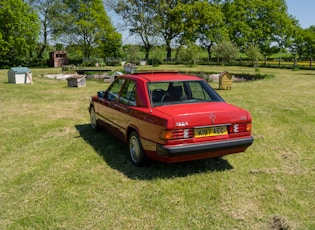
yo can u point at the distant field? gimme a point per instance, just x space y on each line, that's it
56 173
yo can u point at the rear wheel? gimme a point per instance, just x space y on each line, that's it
137 154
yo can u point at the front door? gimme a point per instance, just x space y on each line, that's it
123 108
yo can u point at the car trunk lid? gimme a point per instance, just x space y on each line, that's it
204 114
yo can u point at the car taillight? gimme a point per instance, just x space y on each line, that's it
176 134
239 128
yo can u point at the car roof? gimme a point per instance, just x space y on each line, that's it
163 76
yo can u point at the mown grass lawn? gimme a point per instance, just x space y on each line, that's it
56 173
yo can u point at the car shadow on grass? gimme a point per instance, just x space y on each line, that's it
116 154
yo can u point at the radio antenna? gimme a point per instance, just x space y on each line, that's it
151 92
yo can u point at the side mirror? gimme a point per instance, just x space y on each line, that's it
101 94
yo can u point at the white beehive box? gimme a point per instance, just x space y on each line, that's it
20 75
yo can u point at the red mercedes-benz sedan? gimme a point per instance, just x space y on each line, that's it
170 117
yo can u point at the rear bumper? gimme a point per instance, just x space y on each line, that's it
219 148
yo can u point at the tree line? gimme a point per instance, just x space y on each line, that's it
28 29
257 28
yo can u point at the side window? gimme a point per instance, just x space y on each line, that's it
198 92
113 91
128 95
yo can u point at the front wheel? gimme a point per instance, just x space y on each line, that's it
137 154
94 124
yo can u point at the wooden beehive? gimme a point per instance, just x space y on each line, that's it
225 80
76 81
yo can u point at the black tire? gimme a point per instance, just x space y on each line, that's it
137 154
93 121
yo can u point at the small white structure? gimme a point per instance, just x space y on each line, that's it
77 81
143 63
113 76
20 75
130 68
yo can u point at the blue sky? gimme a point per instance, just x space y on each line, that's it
303 11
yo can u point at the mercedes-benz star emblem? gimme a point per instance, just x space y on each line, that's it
212 117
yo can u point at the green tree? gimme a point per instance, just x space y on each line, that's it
46 11
138 16
189 54
157 55
209 27
19 29
303 44
226 51
259 22
132 53
298 44
173 21
110 44
254 55
85 22
170 22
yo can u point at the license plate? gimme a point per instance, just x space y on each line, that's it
210 131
